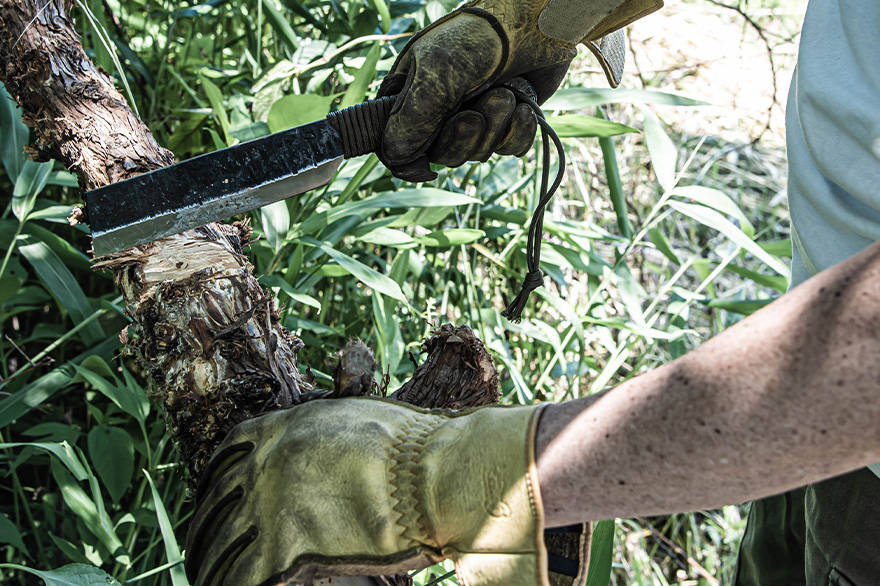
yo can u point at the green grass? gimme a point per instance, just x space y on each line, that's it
636 278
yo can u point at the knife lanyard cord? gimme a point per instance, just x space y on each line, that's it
534 277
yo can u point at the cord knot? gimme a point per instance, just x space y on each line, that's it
533 280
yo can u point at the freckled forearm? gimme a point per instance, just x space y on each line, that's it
768 405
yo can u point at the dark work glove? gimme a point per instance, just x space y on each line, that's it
450 65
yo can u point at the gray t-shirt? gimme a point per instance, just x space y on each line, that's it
833 135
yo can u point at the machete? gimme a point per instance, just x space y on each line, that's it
233 180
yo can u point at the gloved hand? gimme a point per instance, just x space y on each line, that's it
450 64
367 487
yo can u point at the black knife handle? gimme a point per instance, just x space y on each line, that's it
361 126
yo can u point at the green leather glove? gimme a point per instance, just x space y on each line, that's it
368 487
480 46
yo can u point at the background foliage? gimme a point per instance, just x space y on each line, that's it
657 240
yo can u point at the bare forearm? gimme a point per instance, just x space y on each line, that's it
788 396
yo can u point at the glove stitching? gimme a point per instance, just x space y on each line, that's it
405 476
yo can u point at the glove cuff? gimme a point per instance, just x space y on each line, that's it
486 504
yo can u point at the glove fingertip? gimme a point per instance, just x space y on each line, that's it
417 171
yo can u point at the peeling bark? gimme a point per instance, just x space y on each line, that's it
78 115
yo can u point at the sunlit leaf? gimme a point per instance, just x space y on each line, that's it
582 98
287 288
275 219
296 110
130 399
15 135
366 275
388 237
172 550
713 219
357 89
717 200
664 153
215 96
62 451
580 125
450 237
30 182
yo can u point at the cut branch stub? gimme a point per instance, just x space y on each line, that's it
457 373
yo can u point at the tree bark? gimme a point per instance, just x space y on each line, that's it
207 334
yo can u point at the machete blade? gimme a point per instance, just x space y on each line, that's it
213 186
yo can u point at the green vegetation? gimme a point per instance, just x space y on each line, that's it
88 474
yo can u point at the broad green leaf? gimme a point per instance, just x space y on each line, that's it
778 248
14 133
62 451
215 97
9 534
44 388
601 553
331 270
172 550
90 511
72 258
246 132
450 237
13 277
658 238
112 454
583 98
70 575
275 220
777 283
296 110
580 125
70 550
712 219
718 200
422 197
297 323
357 89
53 431
664 153
64 178
30 182
615 185
61 282
280 24
388 237
130 399
366 275
52 213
